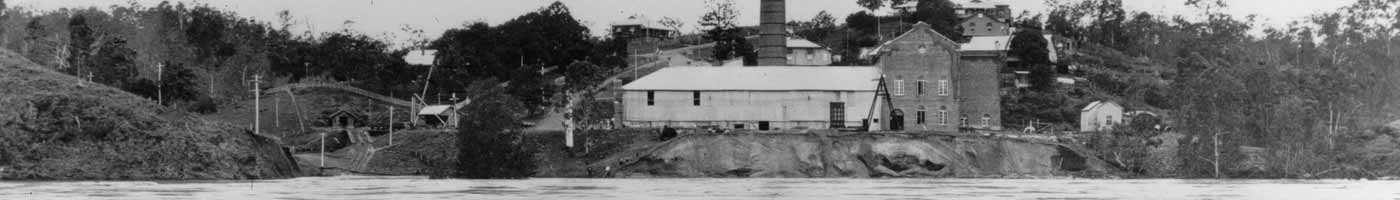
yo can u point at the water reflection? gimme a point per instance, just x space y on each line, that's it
367 187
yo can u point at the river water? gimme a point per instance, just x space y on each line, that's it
372 187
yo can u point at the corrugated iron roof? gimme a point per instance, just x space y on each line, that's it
420 57
802 43
988 43
980 4
434 110
760 79
1097 104
640 21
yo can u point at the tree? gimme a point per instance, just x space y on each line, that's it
941 15
862 21
517 52
723 30
673 23
487 139
1030 46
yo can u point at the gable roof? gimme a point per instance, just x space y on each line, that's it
802 43
1098 104
921 26
770 78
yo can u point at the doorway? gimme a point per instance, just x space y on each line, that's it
897 120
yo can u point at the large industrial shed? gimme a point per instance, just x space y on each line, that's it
761 98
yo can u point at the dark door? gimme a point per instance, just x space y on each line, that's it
838 115
897 120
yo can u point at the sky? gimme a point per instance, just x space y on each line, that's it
385 19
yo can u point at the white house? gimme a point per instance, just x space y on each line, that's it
802 52
761 98
1100 116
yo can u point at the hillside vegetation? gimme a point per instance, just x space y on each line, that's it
57 126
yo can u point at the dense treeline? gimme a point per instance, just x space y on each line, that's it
1312 94
199 55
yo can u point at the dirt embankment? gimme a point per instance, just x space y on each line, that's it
55 126
858 155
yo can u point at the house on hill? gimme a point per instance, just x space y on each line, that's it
982 25
801 52
1100 116
640 27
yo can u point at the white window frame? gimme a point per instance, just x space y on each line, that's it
943 88
943 117
986 120
898 88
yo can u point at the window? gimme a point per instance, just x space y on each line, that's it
989 24
695 99
921 87
651 98
920 119
943 87
838 114
923 49
986 120
962 121
899 87
943 115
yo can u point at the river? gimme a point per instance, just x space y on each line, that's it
372 187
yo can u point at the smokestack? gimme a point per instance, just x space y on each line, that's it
772 37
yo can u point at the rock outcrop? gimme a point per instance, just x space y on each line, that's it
858 155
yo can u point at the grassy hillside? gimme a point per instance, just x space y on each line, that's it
57 126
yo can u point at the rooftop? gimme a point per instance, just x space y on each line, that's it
980 3
640 21
420 57
802 43
766 78
988 43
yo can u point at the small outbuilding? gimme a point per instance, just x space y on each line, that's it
1100 116
345 119
438 115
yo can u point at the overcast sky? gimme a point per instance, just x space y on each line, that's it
385 18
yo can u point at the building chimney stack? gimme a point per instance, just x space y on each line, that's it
772 41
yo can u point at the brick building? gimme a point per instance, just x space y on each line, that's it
982 25
933 85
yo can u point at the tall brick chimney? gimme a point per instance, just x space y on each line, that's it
772 39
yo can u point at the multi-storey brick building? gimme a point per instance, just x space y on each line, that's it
930 84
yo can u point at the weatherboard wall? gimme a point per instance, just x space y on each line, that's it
782 109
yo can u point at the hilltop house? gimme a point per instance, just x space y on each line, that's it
641 27
802 52
1100 116
982 25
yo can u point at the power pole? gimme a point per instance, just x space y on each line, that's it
257 106
391 125
160 83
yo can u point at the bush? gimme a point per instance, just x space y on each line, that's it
488 145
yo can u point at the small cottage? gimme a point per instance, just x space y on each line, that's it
1100 116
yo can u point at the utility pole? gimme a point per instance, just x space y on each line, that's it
257 106
323 149
160 83
391 125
